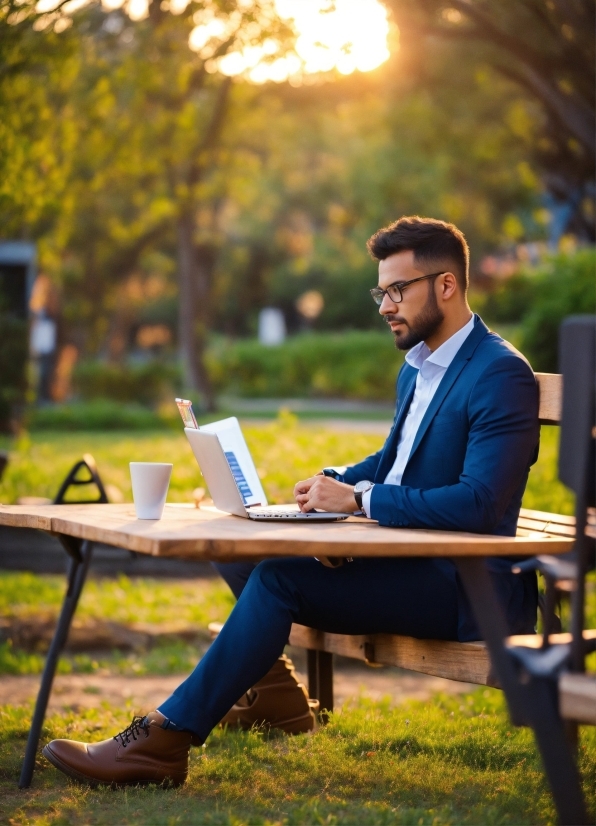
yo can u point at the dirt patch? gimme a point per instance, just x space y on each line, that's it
34 633
80 691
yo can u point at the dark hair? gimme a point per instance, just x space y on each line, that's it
434 243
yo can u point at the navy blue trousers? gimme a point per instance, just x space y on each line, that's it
415 597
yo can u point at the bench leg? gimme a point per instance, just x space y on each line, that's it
79 565
320 680
530 704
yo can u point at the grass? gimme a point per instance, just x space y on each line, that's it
285 450
152 602
122 599
450 762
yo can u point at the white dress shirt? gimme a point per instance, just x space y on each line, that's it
431 367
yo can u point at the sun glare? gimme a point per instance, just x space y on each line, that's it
346 35
341 35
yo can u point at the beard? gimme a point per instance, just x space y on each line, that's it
427 322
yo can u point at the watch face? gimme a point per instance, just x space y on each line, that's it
362 487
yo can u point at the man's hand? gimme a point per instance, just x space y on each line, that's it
325 494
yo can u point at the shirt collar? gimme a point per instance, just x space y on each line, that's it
443 355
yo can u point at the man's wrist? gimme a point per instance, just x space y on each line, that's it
366 506
360 488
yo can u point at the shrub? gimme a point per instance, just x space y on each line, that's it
511 299
146 383
564 285
101 415
353 365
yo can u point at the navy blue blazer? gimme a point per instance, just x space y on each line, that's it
469 463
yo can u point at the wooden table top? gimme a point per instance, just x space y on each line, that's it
187 533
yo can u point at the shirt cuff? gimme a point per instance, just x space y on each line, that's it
366 501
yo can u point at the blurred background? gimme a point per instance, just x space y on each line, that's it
186 189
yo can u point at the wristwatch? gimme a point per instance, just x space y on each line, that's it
359 489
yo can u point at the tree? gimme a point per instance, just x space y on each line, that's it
546 48
152 167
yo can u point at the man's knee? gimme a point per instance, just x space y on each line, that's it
280 577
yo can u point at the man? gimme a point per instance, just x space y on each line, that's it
457 458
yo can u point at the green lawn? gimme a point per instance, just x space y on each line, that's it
451 761
284 451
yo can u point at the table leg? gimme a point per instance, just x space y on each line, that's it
79 565
320 680
532 699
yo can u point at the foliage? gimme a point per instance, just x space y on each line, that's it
537 299
37 132
545 48
357 365
564 286
99 415
146 383
278 198
511 299
450 761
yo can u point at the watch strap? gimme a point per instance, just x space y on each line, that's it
358 498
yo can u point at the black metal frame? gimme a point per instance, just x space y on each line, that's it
529 679
80 556
80 553
71 480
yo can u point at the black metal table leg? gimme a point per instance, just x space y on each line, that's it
532 699
320 680
80 554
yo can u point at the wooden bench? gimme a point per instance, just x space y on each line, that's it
465 662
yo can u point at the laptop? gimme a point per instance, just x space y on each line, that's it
230 473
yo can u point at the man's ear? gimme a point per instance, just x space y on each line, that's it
448 285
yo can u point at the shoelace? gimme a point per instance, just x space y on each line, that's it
133 730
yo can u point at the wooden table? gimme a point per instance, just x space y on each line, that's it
186 532
207 534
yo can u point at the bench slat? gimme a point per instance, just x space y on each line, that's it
467 662
545 527
545 516
551 397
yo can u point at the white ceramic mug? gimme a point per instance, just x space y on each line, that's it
150 483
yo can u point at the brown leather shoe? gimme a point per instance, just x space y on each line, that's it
143 753
278 700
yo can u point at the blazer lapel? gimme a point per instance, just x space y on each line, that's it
390 451
462 357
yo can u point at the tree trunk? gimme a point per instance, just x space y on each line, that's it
192 332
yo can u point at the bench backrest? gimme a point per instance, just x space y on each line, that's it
551 397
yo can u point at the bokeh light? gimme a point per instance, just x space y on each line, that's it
344 35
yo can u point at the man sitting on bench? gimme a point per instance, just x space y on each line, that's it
457 458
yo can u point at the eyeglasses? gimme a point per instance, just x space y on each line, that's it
395 291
